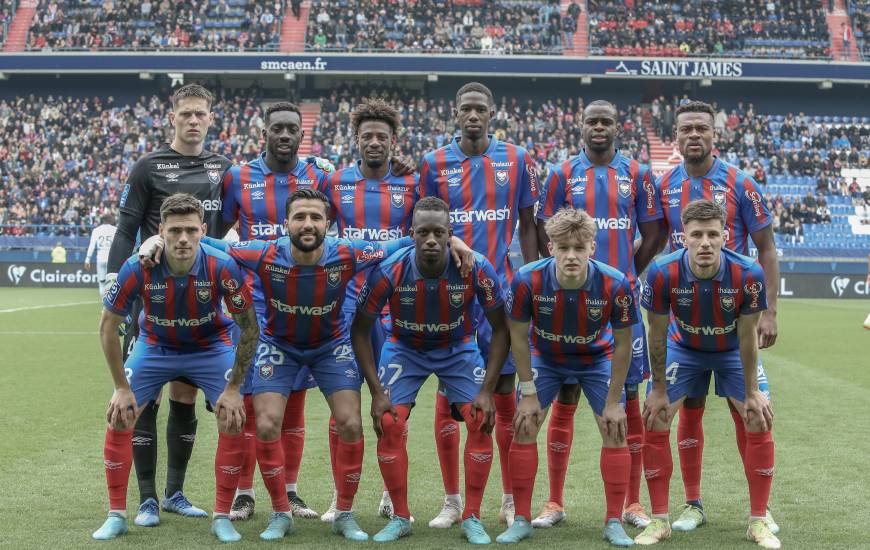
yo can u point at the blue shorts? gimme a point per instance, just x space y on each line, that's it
403 371
278 369
638 369
688 374
484 339
380 330
149 367
594 381
304 380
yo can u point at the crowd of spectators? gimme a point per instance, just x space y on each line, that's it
441 26
222 25
7 11
792 213
760 28
63 161
859 11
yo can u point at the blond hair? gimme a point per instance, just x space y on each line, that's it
570 223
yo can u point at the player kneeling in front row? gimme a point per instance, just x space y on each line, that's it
581 312
714 298
432 306
184 332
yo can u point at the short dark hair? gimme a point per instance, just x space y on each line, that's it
307 194
192 90
474 87
282 106
180 204
432 204
376 109
702 210
601 103
694 106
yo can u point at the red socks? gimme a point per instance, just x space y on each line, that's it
690 445
249 451
635 449
523 469
615 465
117 459
393 460
271 458
560 435
477 460
658 467
333 443
347 472
505 407
740 431
293 434
759 470
227 467
447 444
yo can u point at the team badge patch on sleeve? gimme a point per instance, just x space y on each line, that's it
238 301
230 285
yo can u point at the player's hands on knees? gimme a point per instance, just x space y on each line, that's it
757 411
767 330
484 403
614 420
655 406
403 165
230 411
463 255
381 405
529 416
122 409
150 251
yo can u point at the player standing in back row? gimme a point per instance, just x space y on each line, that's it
101 243
704 176
182 165
489 186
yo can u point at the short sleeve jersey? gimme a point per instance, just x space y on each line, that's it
726 185
618 196
430 313
484 193
572 326
183 313
704 312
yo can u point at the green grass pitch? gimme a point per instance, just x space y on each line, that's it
56 386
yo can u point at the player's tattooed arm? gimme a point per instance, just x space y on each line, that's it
247 321
528 234
767 257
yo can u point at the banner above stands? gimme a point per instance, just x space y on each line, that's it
389 63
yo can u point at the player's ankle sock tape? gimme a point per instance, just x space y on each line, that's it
145 452
180 437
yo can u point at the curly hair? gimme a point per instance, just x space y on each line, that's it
377 109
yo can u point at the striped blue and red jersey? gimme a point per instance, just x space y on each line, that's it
371 210
484 193
303 303
429 313
183 313
572 326
731 188
256 196
619 196
704 312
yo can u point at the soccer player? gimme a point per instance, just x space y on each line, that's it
433 308
704 304
489 186
581 312
184 333
620 195
255 194
702 175
100 243
181 165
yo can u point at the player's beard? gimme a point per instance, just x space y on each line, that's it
318 240
699 158
374 164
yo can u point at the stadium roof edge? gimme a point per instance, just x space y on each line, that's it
741 69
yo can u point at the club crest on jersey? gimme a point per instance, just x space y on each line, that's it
238 301
333 278
594 313
501 177
266 371
231 285
624 189
203 295
214 176
457 299
719 199
398 199
727 303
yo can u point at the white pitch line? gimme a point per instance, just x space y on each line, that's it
50 306
46 332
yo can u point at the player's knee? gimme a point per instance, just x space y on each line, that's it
527 432
662 420
268 425
695 402
349 427
393 428
569 394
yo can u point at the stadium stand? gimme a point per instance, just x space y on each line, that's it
455 26
213 25
7 12
754 28
859 11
